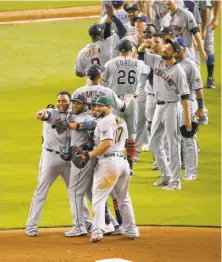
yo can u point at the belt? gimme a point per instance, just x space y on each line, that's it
150 94
164 102
52 151
117 154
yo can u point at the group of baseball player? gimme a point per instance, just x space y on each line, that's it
143 90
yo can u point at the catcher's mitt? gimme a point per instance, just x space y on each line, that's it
80 159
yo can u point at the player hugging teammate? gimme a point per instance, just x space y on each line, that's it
143 87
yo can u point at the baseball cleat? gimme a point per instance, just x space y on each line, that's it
204 120
136 159
89 228
118 231
160 175
75 233
145 147
210 83
133 236
162 182
32 231
132 173
96 237
189 177
109 229
172 186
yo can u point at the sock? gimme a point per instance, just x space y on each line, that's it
107 218
210 65
130 151
116 209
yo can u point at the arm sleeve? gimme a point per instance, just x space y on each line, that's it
181 83
190 21
105 131
195 78
107 30
149 59
105 75
54 115
121 30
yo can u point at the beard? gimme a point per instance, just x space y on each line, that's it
166 57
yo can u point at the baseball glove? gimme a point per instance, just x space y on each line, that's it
61 125
80 159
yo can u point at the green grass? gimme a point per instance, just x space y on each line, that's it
36 63
32 5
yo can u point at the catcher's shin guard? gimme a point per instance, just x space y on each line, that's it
107 217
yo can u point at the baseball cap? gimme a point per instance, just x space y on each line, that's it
96 30
103 101
166 30
94 71
176 45
181 41
142 17
124 46
79 98
133 6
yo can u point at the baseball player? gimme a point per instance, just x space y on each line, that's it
112 170
95 89
51 165
196 108
206 11
170 86
99 51
184 25
122 75
142 132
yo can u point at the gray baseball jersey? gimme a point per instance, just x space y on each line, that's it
182 22
92 91
120 14
167 83
96 53
51 139
111 127
122 74
192 75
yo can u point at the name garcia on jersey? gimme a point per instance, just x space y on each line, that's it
126 63
92 52
166 77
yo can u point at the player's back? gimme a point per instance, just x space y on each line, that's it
122 74
96 53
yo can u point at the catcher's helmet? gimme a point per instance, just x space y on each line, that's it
117 3
103 101
95 30
94 71
188 134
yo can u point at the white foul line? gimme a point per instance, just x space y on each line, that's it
48 20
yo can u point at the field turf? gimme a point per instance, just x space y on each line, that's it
36 63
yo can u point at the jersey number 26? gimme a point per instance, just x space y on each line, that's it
124 78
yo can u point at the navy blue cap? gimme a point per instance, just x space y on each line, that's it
94 71
181 41
79 98
125 45
176 45
142 17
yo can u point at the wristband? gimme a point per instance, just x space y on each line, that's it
200 103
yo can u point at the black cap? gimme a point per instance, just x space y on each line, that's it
125 46
96 30
79 98
175 44
166 30
133 6
94 71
